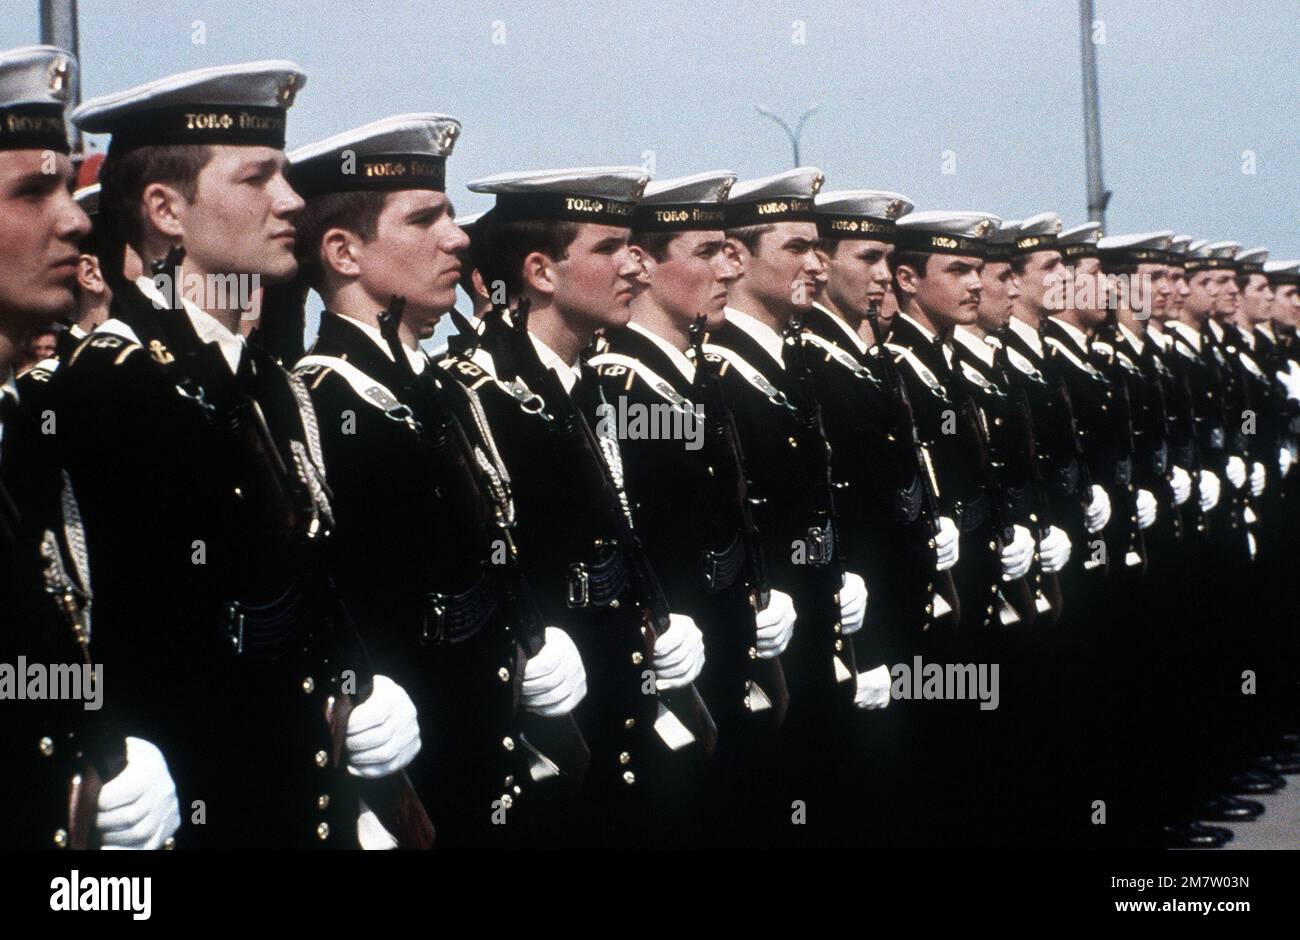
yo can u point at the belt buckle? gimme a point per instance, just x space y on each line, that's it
435 609
817 546
579 585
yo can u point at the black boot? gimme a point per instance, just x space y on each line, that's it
1230 809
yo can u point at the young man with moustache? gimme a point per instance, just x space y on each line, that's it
772 232
687 491
218 612
558 239
413 549
48 746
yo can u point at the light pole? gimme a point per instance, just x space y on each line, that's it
798 128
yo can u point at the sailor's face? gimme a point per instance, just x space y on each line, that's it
859 275
1089 269
415 254
40 227
1178 290
1229 295
1043 272
999 289
950 291
694 277
598 276
786 270
1286 304
1256 299
241 219
1155 287
1202 293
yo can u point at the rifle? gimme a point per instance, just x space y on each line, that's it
905 425
553 743
707 391
814 451
1019 605
1135 554
1047 592
685 704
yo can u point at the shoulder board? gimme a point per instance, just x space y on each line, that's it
750 374
1022 363
106 345
1069 354
43 371
903 354
613 365
367 389
836 354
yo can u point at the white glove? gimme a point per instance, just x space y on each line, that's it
873 688
1285 458
554 680
1180 481
1146 508
853 603
1257 479
1210 488
1098 512
383 734
946 545
1054 550
1017 557
775 625
1290 381
137 809
1236 471
679 653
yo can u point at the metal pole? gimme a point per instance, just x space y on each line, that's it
59 28
1098 195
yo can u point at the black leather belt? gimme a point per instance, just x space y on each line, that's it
720 569
453 618
821 545
1160 460
595 585
267 631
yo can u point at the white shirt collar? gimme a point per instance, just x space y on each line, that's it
207 327
1076 334
759 332
567 372
1186 332
1216 330
1267 329
1027 333
1248 337
858 342
1134 340
675 355
1157 334
414 356
975 344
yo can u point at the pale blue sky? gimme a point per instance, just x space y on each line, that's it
1186 87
